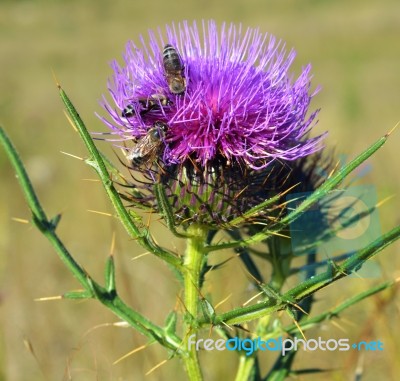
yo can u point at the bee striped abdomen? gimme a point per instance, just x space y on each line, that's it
143 105
173 67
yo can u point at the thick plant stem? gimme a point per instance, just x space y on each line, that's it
246 368
194 260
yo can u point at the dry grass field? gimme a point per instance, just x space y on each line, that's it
354 47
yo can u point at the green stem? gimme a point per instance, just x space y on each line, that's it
310 286
137 321
334 312
142 235
93 290
246 368
39 216
194 260
279 263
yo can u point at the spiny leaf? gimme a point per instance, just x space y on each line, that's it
110 274
165 209
317 195
142 235
310 286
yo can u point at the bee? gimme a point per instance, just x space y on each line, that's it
154 101
128 111
149 146
173 68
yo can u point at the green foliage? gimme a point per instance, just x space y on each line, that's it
200 313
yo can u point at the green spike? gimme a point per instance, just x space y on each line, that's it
208 310
54 221
170 322
110 274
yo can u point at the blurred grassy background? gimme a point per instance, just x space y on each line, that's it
355 51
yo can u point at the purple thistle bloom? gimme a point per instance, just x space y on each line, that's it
216 119
240 105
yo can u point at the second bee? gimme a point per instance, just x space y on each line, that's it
149 146
173 68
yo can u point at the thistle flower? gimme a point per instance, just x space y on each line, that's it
235 120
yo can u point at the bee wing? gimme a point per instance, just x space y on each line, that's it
140 148
146 148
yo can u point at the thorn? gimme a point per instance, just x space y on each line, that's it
359 276
29 346
299 308
288 190
333 170
299 328
276 233
222 301
194 165
360 367
112 248
48 298
122 324
55 79
155 241
140 255
336 267
21 220
74 156
286 203
227 325
236 196
178 301
347 321
101 213
390 131
380 203
155 367
93 180
149 219
259 283
338 326
90 330
218 265
210 330
129 354
182 303
252 298
70 120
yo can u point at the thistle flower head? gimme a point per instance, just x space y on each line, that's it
227 103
